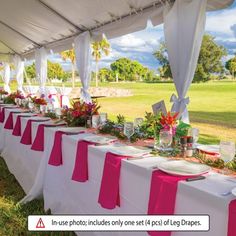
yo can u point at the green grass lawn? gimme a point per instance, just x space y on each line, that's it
212 105
13 217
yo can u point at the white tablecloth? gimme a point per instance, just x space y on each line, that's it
65 196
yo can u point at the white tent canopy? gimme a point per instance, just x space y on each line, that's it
29 24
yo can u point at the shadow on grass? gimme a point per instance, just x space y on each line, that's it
225 119
13 217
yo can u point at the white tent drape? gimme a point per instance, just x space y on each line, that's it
41 68
6 77
184 28
19 67
82 45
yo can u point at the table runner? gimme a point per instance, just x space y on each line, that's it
80 172
162 196
9 121
2 113
109 196
232 218
38 143
27 134
17 128
55 158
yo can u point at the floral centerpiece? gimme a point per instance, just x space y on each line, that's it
3 93
153 124
79 113
10 99
39 101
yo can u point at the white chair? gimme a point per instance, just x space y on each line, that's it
51 94
64 95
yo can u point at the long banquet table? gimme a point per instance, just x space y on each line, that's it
64 196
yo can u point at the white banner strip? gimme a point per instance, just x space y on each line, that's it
118 223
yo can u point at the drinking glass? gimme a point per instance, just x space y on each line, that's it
31 106
16 101
42 109
165 139
128 129
95 121
138 121
194 132
227 153
49 107
103 118
58 112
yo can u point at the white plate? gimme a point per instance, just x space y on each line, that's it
128 151
209 148
233 191
99 139
181 167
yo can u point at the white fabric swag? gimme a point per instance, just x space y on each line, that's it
184 27
6 77
82 46
19 67
41 68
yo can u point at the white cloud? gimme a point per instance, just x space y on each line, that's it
233 28
221 22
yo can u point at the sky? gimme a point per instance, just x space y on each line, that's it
141 45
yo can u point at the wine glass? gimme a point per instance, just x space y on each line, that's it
194 132
31 106
138 121
128 129
50 107
58 112
95 121
42 109
227 153
165 139
103 118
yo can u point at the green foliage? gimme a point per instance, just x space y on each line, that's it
182 129
128 70
106 74
230 65
55 70
209 61
30 71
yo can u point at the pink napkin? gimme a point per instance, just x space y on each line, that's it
38 143
27 134
9 121
109 196
232 218
17 128
56 153
80 172
2 113
162 196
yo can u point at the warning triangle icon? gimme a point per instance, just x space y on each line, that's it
40 224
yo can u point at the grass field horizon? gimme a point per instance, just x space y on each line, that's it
212 105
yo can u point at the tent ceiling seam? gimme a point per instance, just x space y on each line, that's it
61 16
16 31
9 47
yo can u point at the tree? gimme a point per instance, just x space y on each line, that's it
106 74
100 48
209 61
130 70
70 55
55 71
230 65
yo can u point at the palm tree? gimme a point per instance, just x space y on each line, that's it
99 48
70 55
